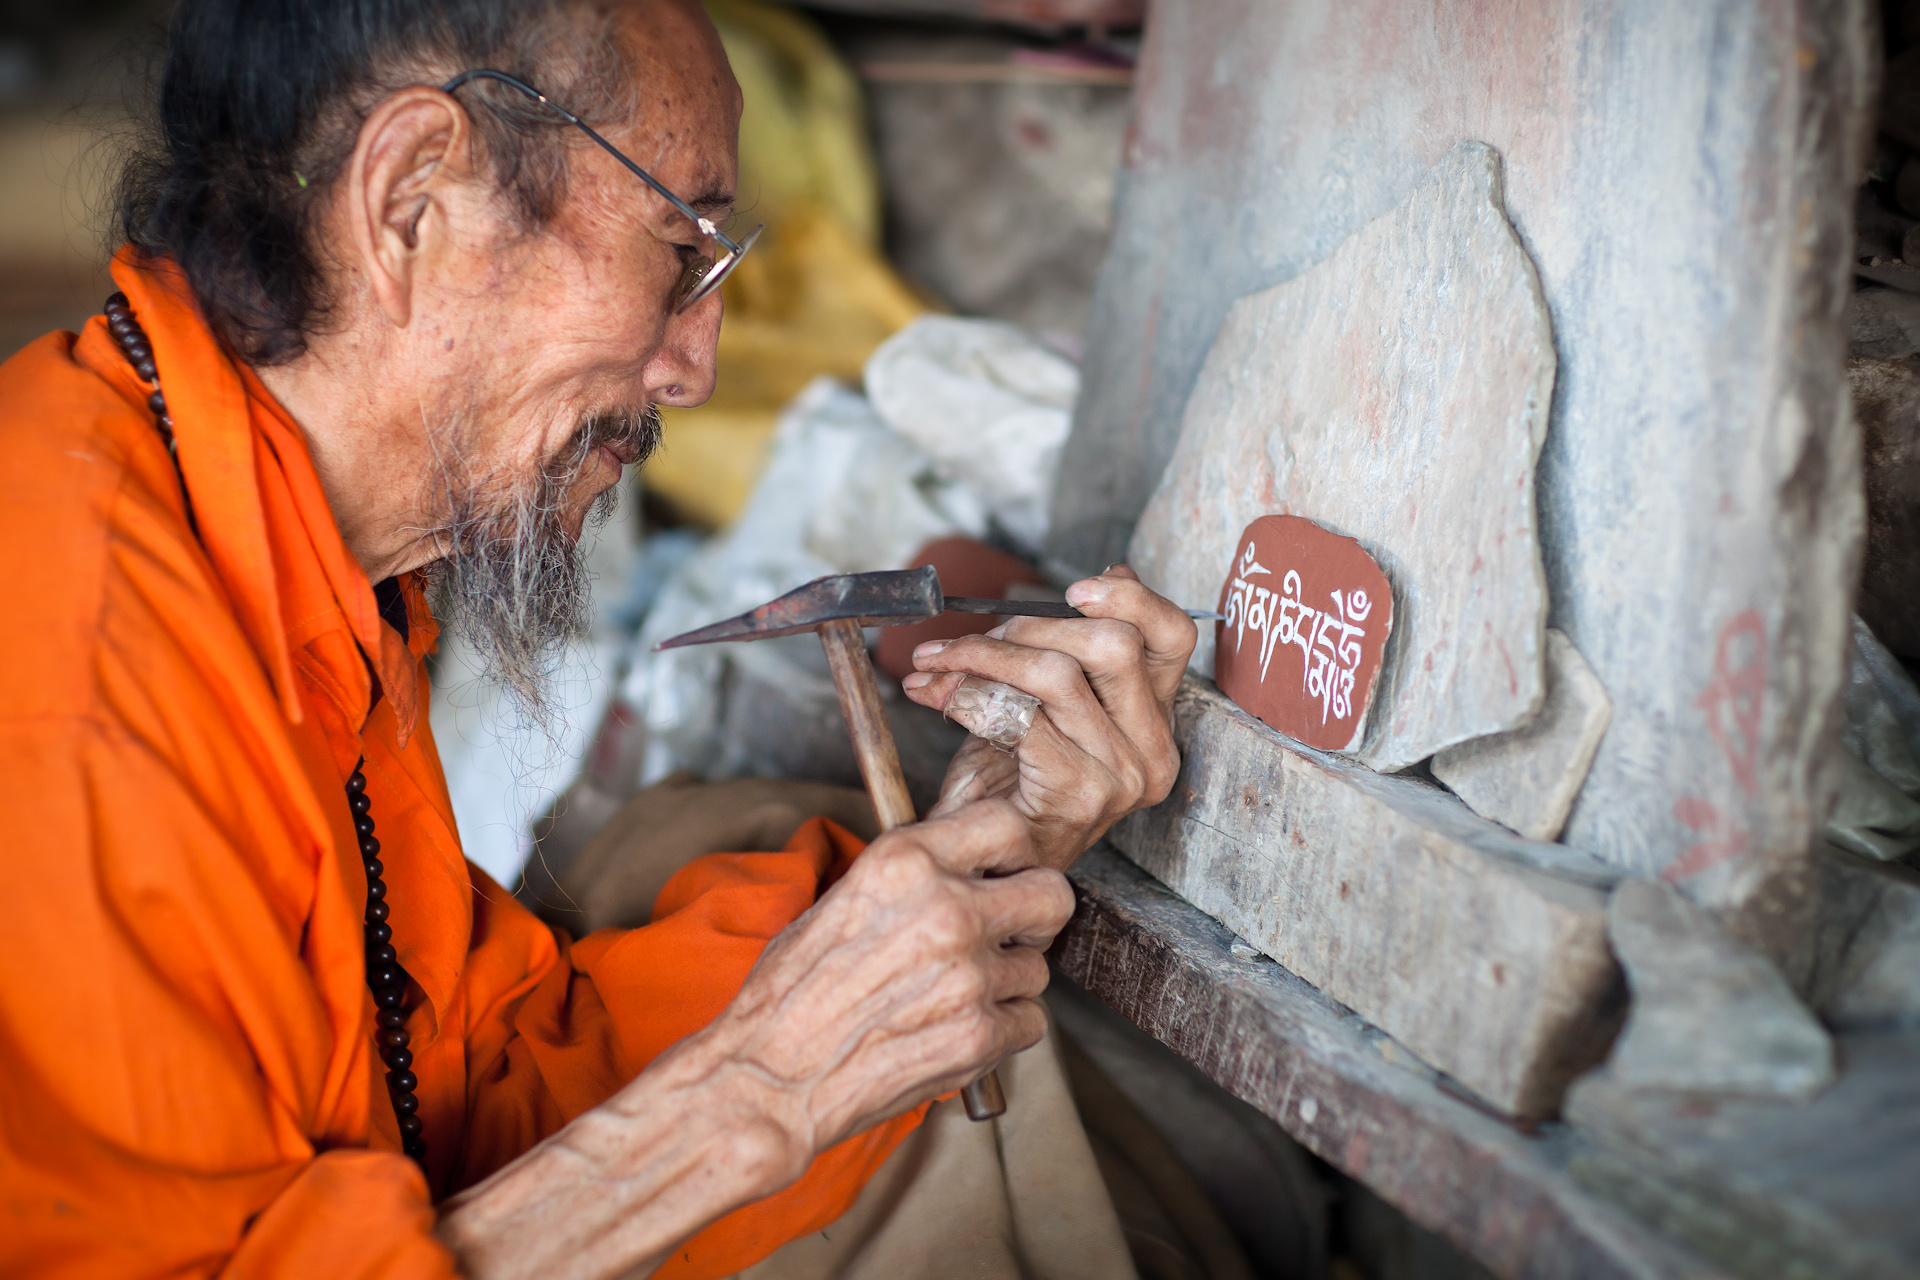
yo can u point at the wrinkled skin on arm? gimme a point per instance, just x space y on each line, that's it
908 978
1104 746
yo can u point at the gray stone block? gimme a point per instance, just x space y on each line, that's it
1862 968
1769 1188
1709 1014
1528 778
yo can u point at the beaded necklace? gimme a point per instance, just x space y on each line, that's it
385 978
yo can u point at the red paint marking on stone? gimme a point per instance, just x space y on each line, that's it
1738 693
1513 674
1306 619
1725 839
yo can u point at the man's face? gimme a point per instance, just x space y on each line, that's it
542 333
550 351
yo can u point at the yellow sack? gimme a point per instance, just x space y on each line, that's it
803 135
815 296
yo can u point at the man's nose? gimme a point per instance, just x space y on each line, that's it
681 373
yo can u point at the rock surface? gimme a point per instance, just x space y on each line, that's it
1886 401
1768 1188
1683 179
1709 1014
999 196
1528 778
1397 393
1863 967
1884 324
989 403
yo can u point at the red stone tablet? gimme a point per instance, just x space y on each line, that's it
1307 618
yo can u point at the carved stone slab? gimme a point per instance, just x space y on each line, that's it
1306 617
1483 953
1528 778
1396 393
1683 178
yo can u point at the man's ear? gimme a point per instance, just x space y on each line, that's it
414 153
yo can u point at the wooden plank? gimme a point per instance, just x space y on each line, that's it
1441 927
1345 1090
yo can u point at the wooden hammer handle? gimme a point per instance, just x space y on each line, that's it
873 744
879 759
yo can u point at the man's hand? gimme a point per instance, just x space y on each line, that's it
910 977
1103 745
907 980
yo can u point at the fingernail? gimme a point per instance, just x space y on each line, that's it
930 648
1091 591
916 680
999 632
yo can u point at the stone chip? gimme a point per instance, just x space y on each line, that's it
1528 778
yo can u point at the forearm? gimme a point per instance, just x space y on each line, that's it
908 978
693 1137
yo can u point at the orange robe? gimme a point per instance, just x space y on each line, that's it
188 1082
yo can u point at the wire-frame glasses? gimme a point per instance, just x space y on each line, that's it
703 274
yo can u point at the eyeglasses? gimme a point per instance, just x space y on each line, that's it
703 274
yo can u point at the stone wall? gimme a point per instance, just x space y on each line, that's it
1681 176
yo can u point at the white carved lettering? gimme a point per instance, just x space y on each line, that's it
1328 639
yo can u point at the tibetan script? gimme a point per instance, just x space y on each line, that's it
1307 614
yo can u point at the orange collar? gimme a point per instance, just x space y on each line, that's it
263 516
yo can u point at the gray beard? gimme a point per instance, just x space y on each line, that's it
513 584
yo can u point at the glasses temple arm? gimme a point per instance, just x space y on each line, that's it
688 210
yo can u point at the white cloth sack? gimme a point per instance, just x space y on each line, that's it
989 403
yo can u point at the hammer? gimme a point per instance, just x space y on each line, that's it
838 607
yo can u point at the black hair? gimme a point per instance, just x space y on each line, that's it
259 106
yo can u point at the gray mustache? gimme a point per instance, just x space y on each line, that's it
635 431
512 584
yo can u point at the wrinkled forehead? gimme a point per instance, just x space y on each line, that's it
687 103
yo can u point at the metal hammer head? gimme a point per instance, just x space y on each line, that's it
872 599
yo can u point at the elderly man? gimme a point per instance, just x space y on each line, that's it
390 331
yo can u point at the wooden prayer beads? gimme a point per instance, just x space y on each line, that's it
132 340
133 343
385 977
